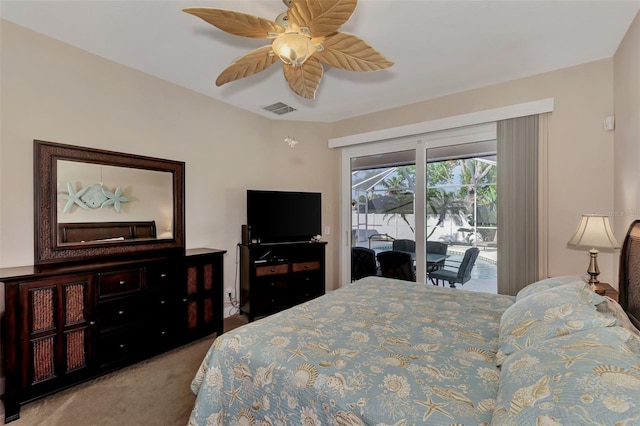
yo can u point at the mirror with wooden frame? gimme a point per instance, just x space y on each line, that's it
93 203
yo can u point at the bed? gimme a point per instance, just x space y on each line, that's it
381 351
92 232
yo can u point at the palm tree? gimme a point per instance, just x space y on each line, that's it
473 174
440 172
395 184
400 189
443 203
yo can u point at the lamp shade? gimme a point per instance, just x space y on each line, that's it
594 231
293 48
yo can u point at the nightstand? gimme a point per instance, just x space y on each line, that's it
605 289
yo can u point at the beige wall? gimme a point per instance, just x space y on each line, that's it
580 151
626 84
55 92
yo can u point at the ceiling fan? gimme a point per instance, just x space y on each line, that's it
304 37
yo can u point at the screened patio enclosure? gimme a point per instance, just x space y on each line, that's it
460 210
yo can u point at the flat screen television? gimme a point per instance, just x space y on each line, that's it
283 216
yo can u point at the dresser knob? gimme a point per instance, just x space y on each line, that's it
123 282
184 300
120 312
92 323
306 266
163 275
121 345
162 302
273 270
163 332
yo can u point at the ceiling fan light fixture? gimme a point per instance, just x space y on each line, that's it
305 37
293 48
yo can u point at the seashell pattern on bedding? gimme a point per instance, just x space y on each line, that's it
386 352
590 377
378 351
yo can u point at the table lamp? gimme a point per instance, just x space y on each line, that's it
594 231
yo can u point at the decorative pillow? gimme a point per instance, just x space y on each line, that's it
547 283
590 377
551 313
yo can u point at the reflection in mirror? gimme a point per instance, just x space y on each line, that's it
95 204
90 192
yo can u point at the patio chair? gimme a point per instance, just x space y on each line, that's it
363 263
459 276
396 264
436 247
404 245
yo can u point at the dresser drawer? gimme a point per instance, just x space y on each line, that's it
274 284
263 271
119 347
119 312
160 304
161 335
304 293
118 282
269 303
305 266
159 275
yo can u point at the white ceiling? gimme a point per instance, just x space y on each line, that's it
439 47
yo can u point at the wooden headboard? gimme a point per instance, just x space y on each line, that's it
629 285
103 231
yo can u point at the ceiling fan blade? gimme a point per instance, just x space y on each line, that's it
349 52
249 64
304 79
321 17
237 23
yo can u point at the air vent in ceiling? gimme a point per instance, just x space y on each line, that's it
279 108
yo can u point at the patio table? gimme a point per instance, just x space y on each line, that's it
433 258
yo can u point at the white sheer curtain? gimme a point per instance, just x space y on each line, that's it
517 203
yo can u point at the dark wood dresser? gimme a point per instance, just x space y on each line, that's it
274 277
63 325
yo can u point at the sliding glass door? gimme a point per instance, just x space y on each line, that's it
461 211
382 205
385 198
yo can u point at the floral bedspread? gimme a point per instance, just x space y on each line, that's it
377 352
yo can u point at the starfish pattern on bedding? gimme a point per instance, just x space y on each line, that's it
233 394
295 353
570 360
432 407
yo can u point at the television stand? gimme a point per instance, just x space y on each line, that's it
274 277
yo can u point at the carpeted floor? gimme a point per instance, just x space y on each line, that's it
152 392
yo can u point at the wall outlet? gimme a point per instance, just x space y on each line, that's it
327 230
228 291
